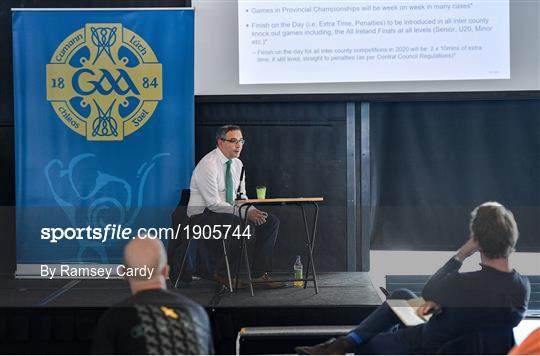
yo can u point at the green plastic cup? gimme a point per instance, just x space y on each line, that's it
261 192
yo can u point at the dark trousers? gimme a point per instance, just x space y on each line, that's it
260 244
380 330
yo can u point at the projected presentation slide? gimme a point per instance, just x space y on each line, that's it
368 41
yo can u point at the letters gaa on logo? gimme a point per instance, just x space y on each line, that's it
104 82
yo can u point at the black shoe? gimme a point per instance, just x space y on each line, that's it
339 346
266 282
225 281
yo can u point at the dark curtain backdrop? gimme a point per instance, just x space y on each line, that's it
295 150
434 161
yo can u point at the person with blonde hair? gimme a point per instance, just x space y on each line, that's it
493 298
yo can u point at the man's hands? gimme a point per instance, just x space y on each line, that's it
469 248
257 216
428 308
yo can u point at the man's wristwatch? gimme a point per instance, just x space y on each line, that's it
456 257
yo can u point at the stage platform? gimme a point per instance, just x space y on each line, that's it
75 305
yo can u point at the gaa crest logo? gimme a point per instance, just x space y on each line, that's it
104 82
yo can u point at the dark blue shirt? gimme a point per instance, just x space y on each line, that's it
470 301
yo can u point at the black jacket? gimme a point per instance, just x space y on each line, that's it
154 322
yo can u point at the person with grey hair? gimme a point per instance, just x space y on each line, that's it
153 320
493 299
213 189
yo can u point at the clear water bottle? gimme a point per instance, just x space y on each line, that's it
298 273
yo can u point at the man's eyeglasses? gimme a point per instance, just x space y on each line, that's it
234 141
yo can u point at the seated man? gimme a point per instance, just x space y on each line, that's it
494 297
213 186
153 320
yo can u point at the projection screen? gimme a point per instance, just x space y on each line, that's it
246 47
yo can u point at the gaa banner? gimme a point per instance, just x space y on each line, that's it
104 127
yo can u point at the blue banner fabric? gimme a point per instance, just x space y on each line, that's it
104 127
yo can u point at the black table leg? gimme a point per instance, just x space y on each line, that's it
310 244
183 264
244 247
313 234
247 267
227 264
240 255
238 265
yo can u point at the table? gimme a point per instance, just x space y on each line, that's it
310 235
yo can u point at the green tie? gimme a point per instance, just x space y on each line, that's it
229 183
